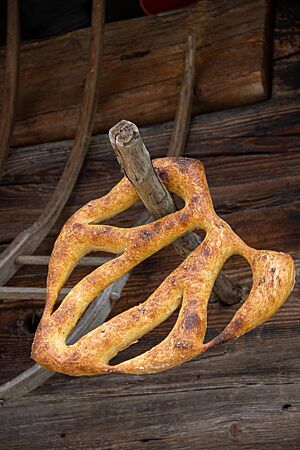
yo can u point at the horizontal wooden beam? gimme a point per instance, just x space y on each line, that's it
36 293
39 260
142 69
27 293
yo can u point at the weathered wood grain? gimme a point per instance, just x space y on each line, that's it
277 175
236 417
243 395
143 67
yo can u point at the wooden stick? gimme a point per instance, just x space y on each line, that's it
96 314
11 79
135 161
39 260
28 293
27 241
12 293
184 108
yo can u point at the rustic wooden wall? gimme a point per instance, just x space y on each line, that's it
142 69
242 395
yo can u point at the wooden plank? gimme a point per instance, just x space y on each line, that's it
27 293
143 66
264 128
266 415
270 122
273 180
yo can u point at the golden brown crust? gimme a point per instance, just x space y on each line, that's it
189 285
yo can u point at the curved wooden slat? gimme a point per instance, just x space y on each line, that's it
11 79
27 241
228 291
185 101
36 375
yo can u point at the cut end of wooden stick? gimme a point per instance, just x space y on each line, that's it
122 134
135 161
127 135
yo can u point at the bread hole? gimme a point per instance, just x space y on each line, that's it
178 201
144 274
163 259
133 215
80 271
148 341
219 314
149 275
127 218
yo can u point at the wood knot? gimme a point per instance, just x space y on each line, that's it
235 430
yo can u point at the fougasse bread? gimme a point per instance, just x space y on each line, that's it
188 287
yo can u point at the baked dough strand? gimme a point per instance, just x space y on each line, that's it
188 287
